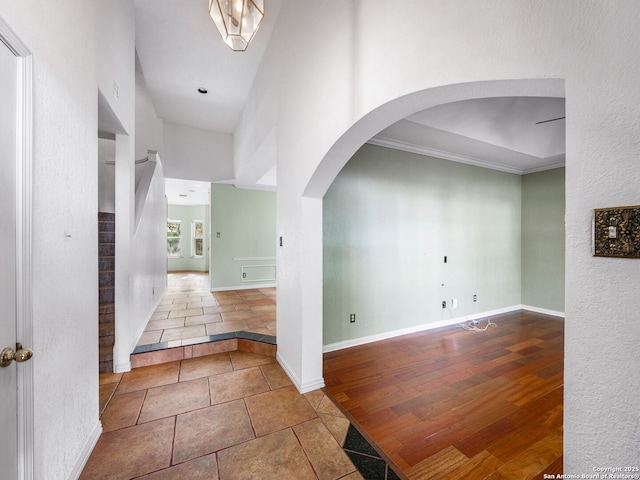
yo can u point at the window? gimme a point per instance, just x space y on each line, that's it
197 238
173 238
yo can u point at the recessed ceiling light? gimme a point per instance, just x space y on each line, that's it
203 91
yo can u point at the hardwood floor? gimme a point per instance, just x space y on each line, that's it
453 404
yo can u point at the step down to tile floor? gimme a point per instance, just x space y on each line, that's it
164 352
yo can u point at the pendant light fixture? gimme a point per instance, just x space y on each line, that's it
237 20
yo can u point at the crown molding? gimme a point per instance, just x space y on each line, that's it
454 157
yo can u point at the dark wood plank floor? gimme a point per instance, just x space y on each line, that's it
453 404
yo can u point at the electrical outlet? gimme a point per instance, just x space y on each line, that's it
444 304
454 303
352 318
475 298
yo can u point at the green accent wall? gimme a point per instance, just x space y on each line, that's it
390 218
187 214
246 221
543 249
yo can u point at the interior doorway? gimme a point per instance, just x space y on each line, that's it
16 329
188 225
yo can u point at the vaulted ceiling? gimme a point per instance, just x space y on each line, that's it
180 51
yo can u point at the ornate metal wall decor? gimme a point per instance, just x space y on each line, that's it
616 232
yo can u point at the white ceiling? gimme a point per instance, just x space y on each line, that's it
180 51
500 133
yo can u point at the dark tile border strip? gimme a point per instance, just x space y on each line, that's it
256 337
364 452
365 458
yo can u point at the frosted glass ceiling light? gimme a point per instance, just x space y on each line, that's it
237 20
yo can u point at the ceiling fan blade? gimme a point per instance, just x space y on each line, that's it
551 120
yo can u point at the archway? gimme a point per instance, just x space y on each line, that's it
300 343
345 148
340 153
399 108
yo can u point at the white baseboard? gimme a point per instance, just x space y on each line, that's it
302 387
86 452
417 328
543 310
243 287
141 330
122 367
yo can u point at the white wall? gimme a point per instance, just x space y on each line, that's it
149 128
149 257
149 266
140 219
106 176
149 269
77 50
196 154
347 71
65 243
115 30
116 77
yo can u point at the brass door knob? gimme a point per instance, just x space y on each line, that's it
20 355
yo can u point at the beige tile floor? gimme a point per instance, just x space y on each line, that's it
189 310
228 416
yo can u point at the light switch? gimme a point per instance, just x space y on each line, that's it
613 233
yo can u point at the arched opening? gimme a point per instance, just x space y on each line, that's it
392 221
391 112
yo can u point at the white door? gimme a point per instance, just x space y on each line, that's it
8 310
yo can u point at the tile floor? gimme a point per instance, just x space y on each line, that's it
233 415
189 311
225 415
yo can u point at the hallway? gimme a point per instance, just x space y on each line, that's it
189 312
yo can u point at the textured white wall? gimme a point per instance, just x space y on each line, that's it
70 65
65 242
347 71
